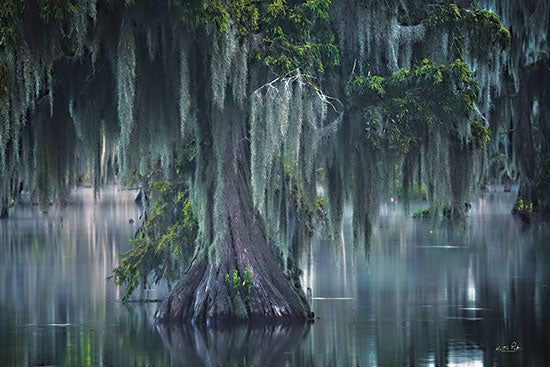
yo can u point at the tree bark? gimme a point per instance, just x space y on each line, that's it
3 212
203 295
523 143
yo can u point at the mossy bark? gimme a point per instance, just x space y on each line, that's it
239 242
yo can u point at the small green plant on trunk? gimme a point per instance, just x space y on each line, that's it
242 286
525 210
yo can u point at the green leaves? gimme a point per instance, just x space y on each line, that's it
165 243
481 135
242 286
297 37
58 9
398 108
10 11
276 7
429 71
482 27
294 35
245 15
375 84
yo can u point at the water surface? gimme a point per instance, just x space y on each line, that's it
421 294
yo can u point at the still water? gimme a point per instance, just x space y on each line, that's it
421 295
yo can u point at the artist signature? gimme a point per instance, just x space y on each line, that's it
514 347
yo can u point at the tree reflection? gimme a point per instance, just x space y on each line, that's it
237 345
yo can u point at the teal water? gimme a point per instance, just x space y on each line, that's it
421 295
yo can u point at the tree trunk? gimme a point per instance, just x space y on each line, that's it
4 207
523 141
203 295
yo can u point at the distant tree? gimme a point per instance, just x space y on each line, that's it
520 117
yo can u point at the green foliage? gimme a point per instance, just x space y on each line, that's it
320 204
448 212
525 210
83 180
164 245
296 36
422 213
10 11
375 84
242 286
51 10
481 135
399 108
524 207
243 14
483 27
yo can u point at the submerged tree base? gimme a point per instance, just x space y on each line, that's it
202 297
208 294
238 274
243 280
525 211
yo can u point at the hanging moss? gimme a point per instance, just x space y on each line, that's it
131 85
517 119
434 139
126 79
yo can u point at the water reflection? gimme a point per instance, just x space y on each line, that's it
437 295
422 295
238 345
56 307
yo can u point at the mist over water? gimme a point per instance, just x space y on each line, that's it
422 294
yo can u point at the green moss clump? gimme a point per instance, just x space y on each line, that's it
422 213
525 210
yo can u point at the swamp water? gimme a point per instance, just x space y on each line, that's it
422 295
